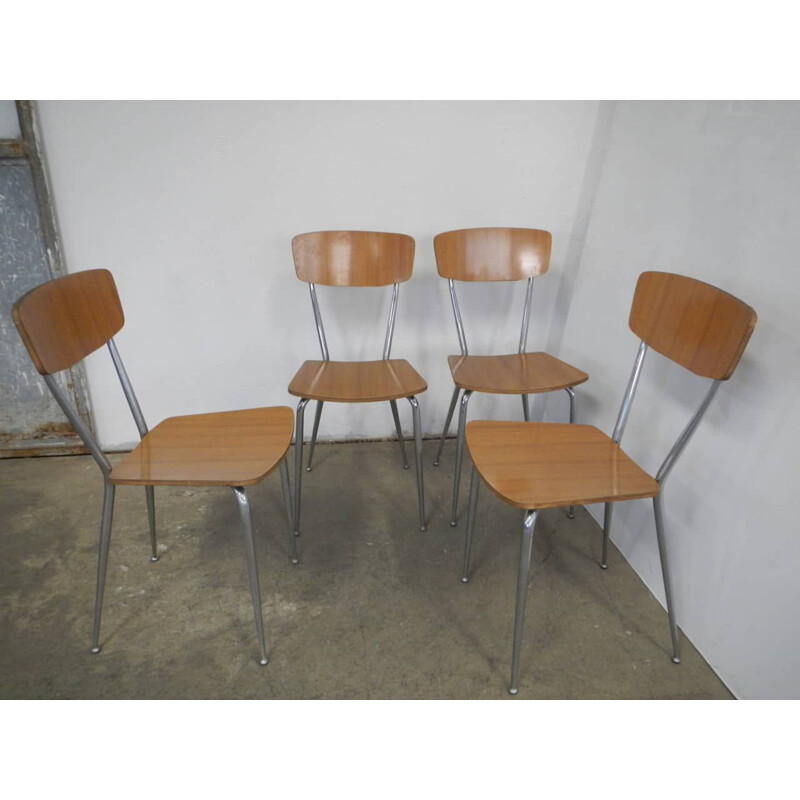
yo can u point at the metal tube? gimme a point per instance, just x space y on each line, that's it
127 388
662 552
287 501
627 400
149 494
298 461
449 417
393 404
323 343
573 410
418 452
607 514
102 559
387 345
317 415
526 317
526 410
474 485
252 569
462 423
462 339
525 552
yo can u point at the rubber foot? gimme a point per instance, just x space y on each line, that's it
308 469
604 566
295 560
95 650
154 559
571 516
297 533
513 691
453 523
405 466
676 660
435 463
263 662
465 580
423 528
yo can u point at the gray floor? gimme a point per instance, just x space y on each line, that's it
375 609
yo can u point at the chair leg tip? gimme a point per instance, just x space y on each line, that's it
405 466
295 560
435 463
96 649
603 566
676 660
153 559
422 528
465 579
263 662
513 691
571 516
308 469
453 523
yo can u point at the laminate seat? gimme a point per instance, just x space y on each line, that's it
357 381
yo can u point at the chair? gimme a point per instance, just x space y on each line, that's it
546 465
498 254
64 320
355 258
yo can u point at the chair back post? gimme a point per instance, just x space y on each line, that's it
526 316
387 345
83 431
627 400
323 342
127 388
462 339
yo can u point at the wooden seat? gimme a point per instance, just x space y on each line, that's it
516 373
535 466
66 319
357 381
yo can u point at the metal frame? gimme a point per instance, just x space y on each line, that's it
109 489
529 519
301 406
467 393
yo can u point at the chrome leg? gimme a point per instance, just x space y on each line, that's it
393 404
525 551
151 516
102 560
573 402
462 423
450 411
418 453
287 501
526 411
662 551
474 485
250 555
317 415
298 461
609 509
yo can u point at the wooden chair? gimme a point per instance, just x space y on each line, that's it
546 465
355 258
498 254
64 320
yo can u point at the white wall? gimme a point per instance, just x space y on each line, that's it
710 190
193 207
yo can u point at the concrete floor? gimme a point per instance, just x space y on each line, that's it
375 609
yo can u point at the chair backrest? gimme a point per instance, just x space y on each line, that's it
702 328
492 254
353 258
65 319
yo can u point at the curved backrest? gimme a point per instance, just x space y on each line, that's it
693 323
65 319
353 258
492 254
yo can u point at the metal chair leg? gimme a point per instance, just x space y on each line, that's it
298 461
151 516
474 485
609 509
393 404
450 411
287 501
250 556
462 422
102 560
573 403
662 551
317 415
526 411
525 551
418 453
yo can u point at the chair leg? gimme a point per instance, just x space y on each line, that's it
252 569
662 551
317 415
102 560
298 461
450 411
609 509
462 423
287 501
525 551
418 453
526 411
474 485
151 516
573 407
393 404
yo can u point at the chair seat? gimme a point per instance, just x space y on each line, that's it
535 465
518 373
357 381
231 448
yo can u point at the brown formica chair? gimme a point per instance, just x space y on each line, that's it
498 254
355 258
68 318
547 465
